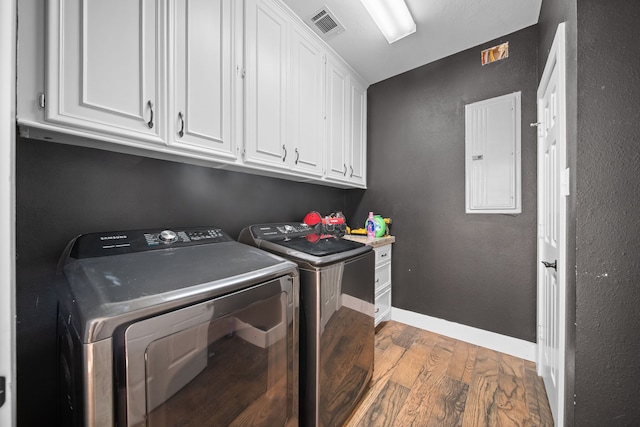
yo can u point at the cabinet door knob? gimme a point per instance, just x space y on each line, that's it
181 118
150 122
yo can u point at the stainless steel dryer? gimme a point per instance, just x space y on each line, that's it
182 327
337 316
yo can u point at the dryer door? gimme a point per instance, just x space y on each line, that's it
220 362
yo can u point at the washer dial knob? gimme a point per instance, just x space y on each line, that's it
167 236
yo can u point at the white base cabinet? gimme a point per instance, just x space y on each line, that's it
383 283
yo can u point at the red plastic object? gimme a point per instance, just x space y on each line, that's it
312 218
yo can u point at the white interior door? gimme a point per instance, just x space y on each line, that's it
552 192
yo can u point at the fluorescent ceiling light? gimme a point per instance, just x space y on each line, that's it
392 17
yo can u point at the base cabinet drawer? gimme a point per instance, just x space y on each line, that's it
383 306
383 254
383 276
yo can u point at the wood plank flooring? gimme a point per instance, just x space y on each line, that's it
425 379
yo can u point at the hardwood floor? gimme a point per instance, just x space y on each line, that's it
425 379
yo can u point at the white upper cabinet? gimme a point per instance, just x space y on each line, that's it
201 49
240 84
357 145
337 104
345 125
284 84
266 78
306 101
104 67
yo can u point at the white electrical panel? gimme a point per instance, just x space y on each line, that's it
492 155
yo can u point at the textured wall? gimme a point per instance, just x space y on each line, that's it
478 270
63 191
608 216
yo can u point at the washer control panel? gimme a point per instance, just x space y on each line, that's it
279 231
122 242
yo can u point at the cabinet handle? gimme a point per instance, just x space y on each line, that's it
285 152
345 170
181 118
377 309
150 122
297 156
351 175
383 255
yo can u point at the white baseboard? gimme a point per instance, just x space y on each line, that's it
502 343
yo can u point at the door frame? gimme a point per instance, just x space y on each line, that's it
556 58
8 19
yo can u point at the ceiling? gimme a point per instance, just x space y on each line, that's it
444 27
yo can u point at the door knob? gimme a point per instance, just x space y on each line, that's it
553 264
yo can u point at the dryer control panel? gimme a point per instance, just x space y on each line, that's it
129 241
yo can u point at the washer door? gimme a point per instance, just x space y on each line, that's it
225 361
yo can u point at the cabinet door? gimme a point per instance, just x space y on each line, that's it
306 103
337 105
200 114
266 59
103 67
357 147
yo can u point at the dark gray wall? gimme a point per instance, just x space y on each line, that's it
551 14
608 214
478 270
63 191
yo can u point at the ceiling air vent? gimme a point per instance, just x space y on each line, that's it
325 23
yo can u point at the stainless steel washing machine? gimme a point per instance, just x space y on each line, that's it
176 327
337 316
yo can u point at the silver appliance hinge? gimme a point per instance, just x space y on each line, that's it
41 100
